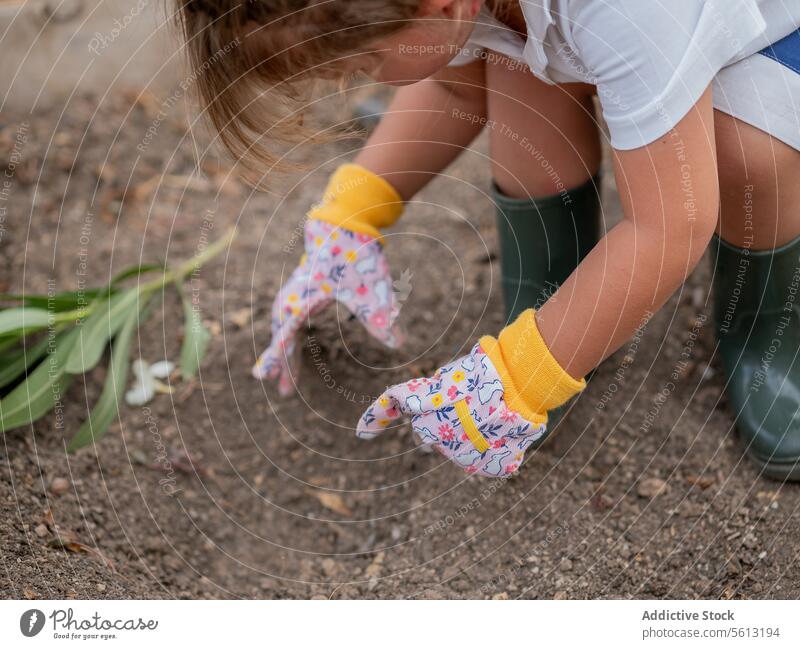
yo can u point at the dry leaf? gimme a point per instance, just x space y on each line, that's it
141 191
47 518
68 540
224 178
149 103
186 183
105 173
241 317
374 569
703 483
333 502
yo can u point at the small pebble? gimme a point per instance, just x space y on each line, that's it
651 487
329 567
565 565
59 486
101 588
698 297
41 530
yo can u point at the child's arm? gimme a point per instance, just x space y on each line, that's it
669 193
426 127
484 410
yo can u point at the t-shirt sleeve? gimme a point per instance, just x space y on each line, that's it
651 62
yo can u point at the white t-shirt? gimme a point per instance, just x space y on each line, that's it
650 60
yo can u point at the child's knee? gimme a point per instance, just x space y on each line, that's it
757 176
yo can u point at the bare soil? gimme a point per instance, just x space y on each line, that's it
225 490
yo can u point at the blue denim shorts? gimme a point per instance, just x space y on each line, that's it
764 90
786 51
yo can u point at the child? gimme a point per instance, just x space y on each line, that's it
701 99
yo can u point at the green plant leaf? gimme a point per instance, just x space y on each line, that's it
71 300
7 342
66 301
195 337
93 335
23 318
14 364
134 271
107 405
40 391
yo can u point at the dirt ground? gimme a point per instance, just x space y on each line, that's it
225 490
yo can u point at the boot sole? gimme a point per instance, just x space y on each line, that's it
783 471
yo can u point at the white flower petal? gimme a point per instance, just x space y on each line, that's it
138 396
140 367
162 369
143 390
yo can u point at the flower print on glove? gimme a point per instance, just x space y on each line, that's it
338 265
462 412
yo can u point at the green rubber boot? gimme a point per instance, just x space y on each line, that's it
757 319
542 241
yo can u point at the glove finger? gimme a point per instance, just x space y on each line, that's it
379 325
398 337
266 367
280 366
273 361
286 381
280 358
378 416
368 292
397 401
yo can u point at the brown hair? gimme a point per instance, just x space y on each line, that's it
241 50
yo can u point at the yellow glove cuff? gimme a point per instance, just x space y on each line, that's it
533 380
358 200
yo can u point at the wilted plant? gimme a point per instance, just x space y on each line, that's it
48 340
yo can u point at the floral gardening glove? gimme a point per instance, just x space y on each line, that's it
472 411
343 261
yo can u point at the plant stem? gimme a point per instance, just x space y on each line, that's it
188 267
174 275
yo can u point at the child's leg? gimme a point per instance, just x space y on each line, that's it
757 281
759 188
545 151
544 138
